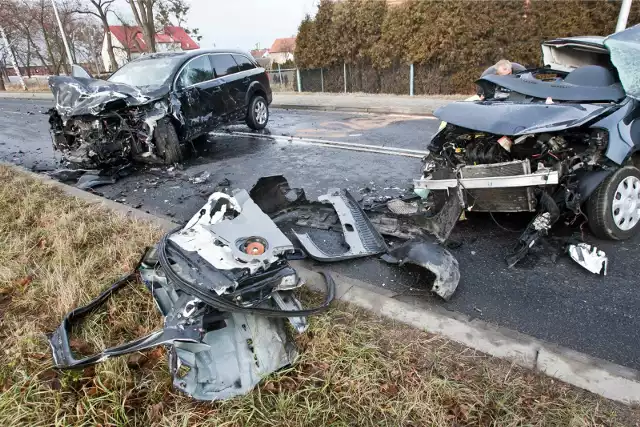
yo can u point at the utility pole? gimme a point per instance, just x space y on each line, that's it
64 36
623 17
13 58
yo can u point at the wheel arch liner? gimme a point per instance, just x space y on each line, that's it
434 258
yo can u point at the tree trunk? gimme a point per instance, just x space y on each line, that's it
143 14
107 33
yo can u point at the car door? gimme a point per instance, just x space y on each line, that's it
226 69
248 71
201 97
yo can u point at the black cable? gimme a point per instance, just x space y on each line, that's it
222 303
503 227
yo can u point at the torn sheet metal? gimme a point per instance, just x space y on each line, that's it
223 321
589 257
232 232
359 234
434 258
77 96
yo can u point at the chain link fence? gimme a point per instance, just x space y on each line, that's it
283 80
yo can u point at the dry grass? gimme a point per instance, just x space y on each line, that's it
355 369
33 85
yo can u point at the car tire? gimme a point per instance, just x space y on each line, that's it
613 208
167 142
257 113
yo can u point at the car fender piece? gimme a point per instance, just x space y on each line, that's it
434 258
360 235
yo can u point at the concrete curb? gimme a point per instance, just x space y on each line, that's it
598 376
409 111
26 95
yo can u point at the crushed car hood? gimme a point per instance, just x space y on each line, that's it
624 48
507 118
76 96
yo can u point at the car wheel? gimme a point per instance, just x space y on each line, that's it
614 207
167 142
258 113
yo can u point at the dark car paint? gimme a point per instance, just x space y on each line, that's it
559 91
509 118
224 99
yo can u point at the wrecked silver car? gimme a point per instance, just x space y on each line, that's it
151 106
559 140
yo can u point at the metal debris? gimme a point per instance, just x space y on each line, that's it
224 286
589 257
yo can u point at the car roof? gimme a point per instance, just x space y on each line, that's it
191 53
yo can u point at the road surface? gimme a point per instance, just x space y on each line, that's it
557 302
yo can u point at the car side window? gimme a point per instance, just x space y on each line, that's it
223 65
244 63
197 71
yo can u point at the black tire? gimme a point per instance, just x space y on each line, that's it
254 120
600 206
167 142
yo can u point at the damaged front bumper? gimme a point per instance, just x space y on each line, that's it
96 123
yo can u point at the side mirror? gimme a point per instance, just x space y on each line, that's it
78 71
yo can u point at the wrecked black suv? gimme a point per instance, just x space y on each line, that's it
147 108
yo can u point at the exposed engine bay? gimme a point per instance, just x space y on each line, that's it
112 138
97 124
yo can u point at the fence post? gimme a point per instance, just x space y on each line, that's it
321 80
411 80
299 82
345 77
279 74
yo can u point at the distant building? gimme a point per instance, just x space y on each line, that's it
128 43
282 50
259 53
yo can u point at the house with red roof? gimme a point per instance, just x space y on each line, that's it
128 43
282 50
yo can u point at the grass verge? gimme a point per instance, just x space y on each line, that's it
355 369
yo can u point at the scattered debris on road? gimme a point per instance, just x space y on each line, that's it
589 257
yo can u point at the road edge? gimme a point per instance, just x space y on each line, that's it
405 111
596 375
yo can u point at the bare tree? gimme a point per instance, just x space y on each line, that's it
102 9
143 14
152 16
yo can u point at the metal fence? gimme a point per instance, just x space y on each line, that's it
400 79
283 80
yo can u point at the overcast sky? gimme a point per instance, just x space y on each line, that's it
242 23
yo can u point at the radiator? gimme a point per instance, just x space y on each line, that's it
499 199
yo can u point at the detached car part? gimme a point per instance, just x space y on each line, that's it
589 257
434 258
359 234
224 286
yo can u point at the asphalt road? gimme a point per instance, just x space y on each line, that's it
557 302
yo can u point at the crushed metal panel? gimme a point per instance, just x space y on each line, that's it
360 235
232 360
434 258
224 241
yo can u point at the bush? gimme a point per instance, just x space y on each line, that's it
449 42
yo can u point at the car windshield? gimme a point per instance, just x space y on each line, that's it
147 71
625 53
